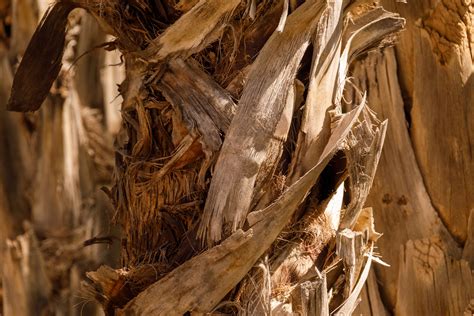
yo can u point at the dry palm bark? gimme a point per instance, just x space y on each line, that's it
427 87
267 159
235 147
160 179
53 163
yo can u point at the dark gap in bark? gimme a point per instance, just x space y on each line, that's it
290 145
243 40
305 67
382 293
406 97
325 186
329 177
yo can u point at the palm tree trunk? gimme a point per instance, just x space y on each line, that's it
249 139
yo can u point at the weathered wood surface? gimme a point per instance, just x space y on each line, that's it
366 150
427 194
328 76
205 107
398 191
350 248
435 58
314 131
206 279
432 282
253 129
350 304
314 297
186 36
255 140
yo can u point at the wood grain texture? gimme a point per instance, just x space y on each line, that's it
433 283
205 107
314 297
436 60
315 129
216 101
260 109
328 75
398 194
193 31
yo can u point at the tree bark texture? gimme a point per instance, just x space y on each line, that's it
424 199
239 167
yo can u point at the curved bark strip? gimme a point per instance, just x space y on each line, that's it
329 66
254 125
326 57
42 61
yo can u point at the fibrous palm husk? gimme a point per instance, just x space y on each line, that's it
197 165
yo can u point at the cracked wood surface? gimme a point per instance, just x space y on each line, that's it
435 56
398 193
432 282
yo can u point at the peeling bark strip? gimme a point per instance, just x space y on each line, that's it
260 109
42 60
314 131
362 33
370 30
205 279
202 103
193 31
314 297
363 155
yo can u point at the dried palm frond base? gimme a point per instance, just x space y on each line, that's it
239 181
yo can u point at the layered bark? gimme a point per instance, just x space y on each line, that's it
244 157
